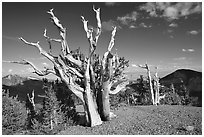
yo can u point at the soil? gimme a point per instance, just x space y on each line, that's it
147 120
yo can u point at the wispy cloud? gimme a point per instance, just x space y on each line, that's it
108 25
128 18
193 32
171 11
10 38
180 58
111 3
173 25
143 25
132 26
188 50
38 58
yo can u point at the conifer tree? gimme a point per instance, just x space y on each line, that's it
51 111
13 114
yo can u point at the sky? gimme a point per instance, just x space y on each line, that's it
163 34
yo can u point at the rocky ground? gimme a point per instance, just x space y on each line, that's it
147 120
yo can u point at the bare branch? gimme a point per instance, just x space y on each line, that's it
85 22
89 31
56 20
42 52
119 87
37 71
50 39
31 99
97 16
98 32
75 88
111 44
73 60
156 73
65 47
74 71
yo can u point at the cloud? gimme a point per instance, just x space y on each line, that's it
193 32
108 25
10 38
128 18
10 70
191 50
38 58
187 8
150 8
143 25
180 58
188 50
173 25
171 11
132 27
171 36
111 3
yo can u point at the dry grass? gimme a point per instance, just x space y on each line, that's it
147 120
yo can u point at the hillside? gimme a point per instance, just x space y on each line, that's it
11 80
190 78
20 86
147 120
182 75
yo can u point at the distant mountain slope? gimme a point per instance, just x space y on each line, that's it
10 80
192 80
20 86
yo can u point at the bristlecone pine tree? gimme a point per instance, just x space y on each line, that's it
90 78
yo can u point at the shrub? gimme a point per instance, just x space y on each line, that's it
13 114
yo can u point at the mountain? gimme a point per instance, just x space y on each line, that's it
21 86
190 78
10 80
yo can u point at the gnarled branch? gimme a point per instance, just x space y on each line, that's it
37 71
98 32
65 47
111 44
42 52
119 87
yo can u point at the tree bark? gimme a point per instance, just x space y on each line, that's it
105 102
